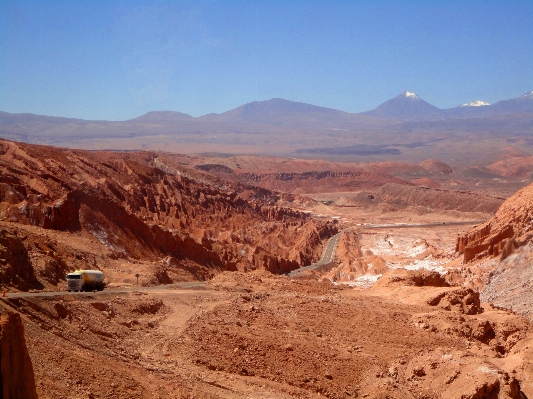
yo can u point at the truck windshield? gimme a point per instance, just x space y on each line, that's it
73 276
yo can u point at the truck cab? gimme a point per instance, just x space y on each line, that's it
74 282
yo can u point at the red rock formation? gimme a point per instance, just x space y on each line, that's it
17 379
397 196
316 181
436 166
465 300
426 182
508 229
148 206
16 267
514 163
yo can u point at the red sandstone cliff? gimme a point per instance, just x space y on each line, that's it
17 380
145 206
509 228
317 181
502 279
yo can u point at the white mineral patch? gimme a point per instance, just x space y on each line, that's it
415 251
364 281
427 264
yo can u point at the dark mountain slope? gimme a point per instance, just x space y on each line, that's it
407 105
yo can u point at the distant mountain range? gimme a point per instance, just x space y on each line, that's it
283 113
281 125
280 112
408 106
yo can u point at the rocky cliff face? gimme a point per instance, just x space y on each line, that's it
317 181
499 253
149 206
510 228
16 372
394 197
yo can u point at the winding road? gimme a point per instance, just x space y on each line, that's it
331 245
327 257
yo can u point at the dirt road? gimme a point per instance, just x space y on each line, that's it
108 291
265 336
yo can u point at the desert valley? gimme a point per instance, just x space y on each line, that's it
279 250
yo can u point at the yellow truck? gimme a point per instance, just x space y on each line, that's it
85 280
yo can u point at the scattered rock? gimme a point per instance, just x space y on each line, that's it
418 371
462 300
100 306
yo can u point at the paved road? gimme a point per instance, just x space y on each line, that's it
327 257
331 245
108 291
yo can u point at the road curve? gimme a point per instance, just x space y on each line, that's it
331 245
327 257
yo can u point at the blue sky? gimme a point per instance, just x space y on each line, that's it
117 60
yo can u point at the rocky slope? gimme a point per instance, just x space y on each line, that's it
499 252
321 181
258 335
142 206
510 227
394 197
436 166
17 380
304 176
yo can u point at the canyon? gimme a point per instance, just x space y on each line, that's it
427 293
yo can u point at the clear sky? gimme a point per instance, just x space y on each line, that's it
117 60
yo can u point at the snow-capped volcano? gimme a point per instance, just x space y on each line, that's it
407 105
409 94
527 95
475 103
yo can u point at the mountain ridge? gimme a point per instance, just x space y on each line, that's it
278 126
249 110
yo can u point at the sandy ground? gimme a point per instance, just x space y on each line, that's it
371 334
257 335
